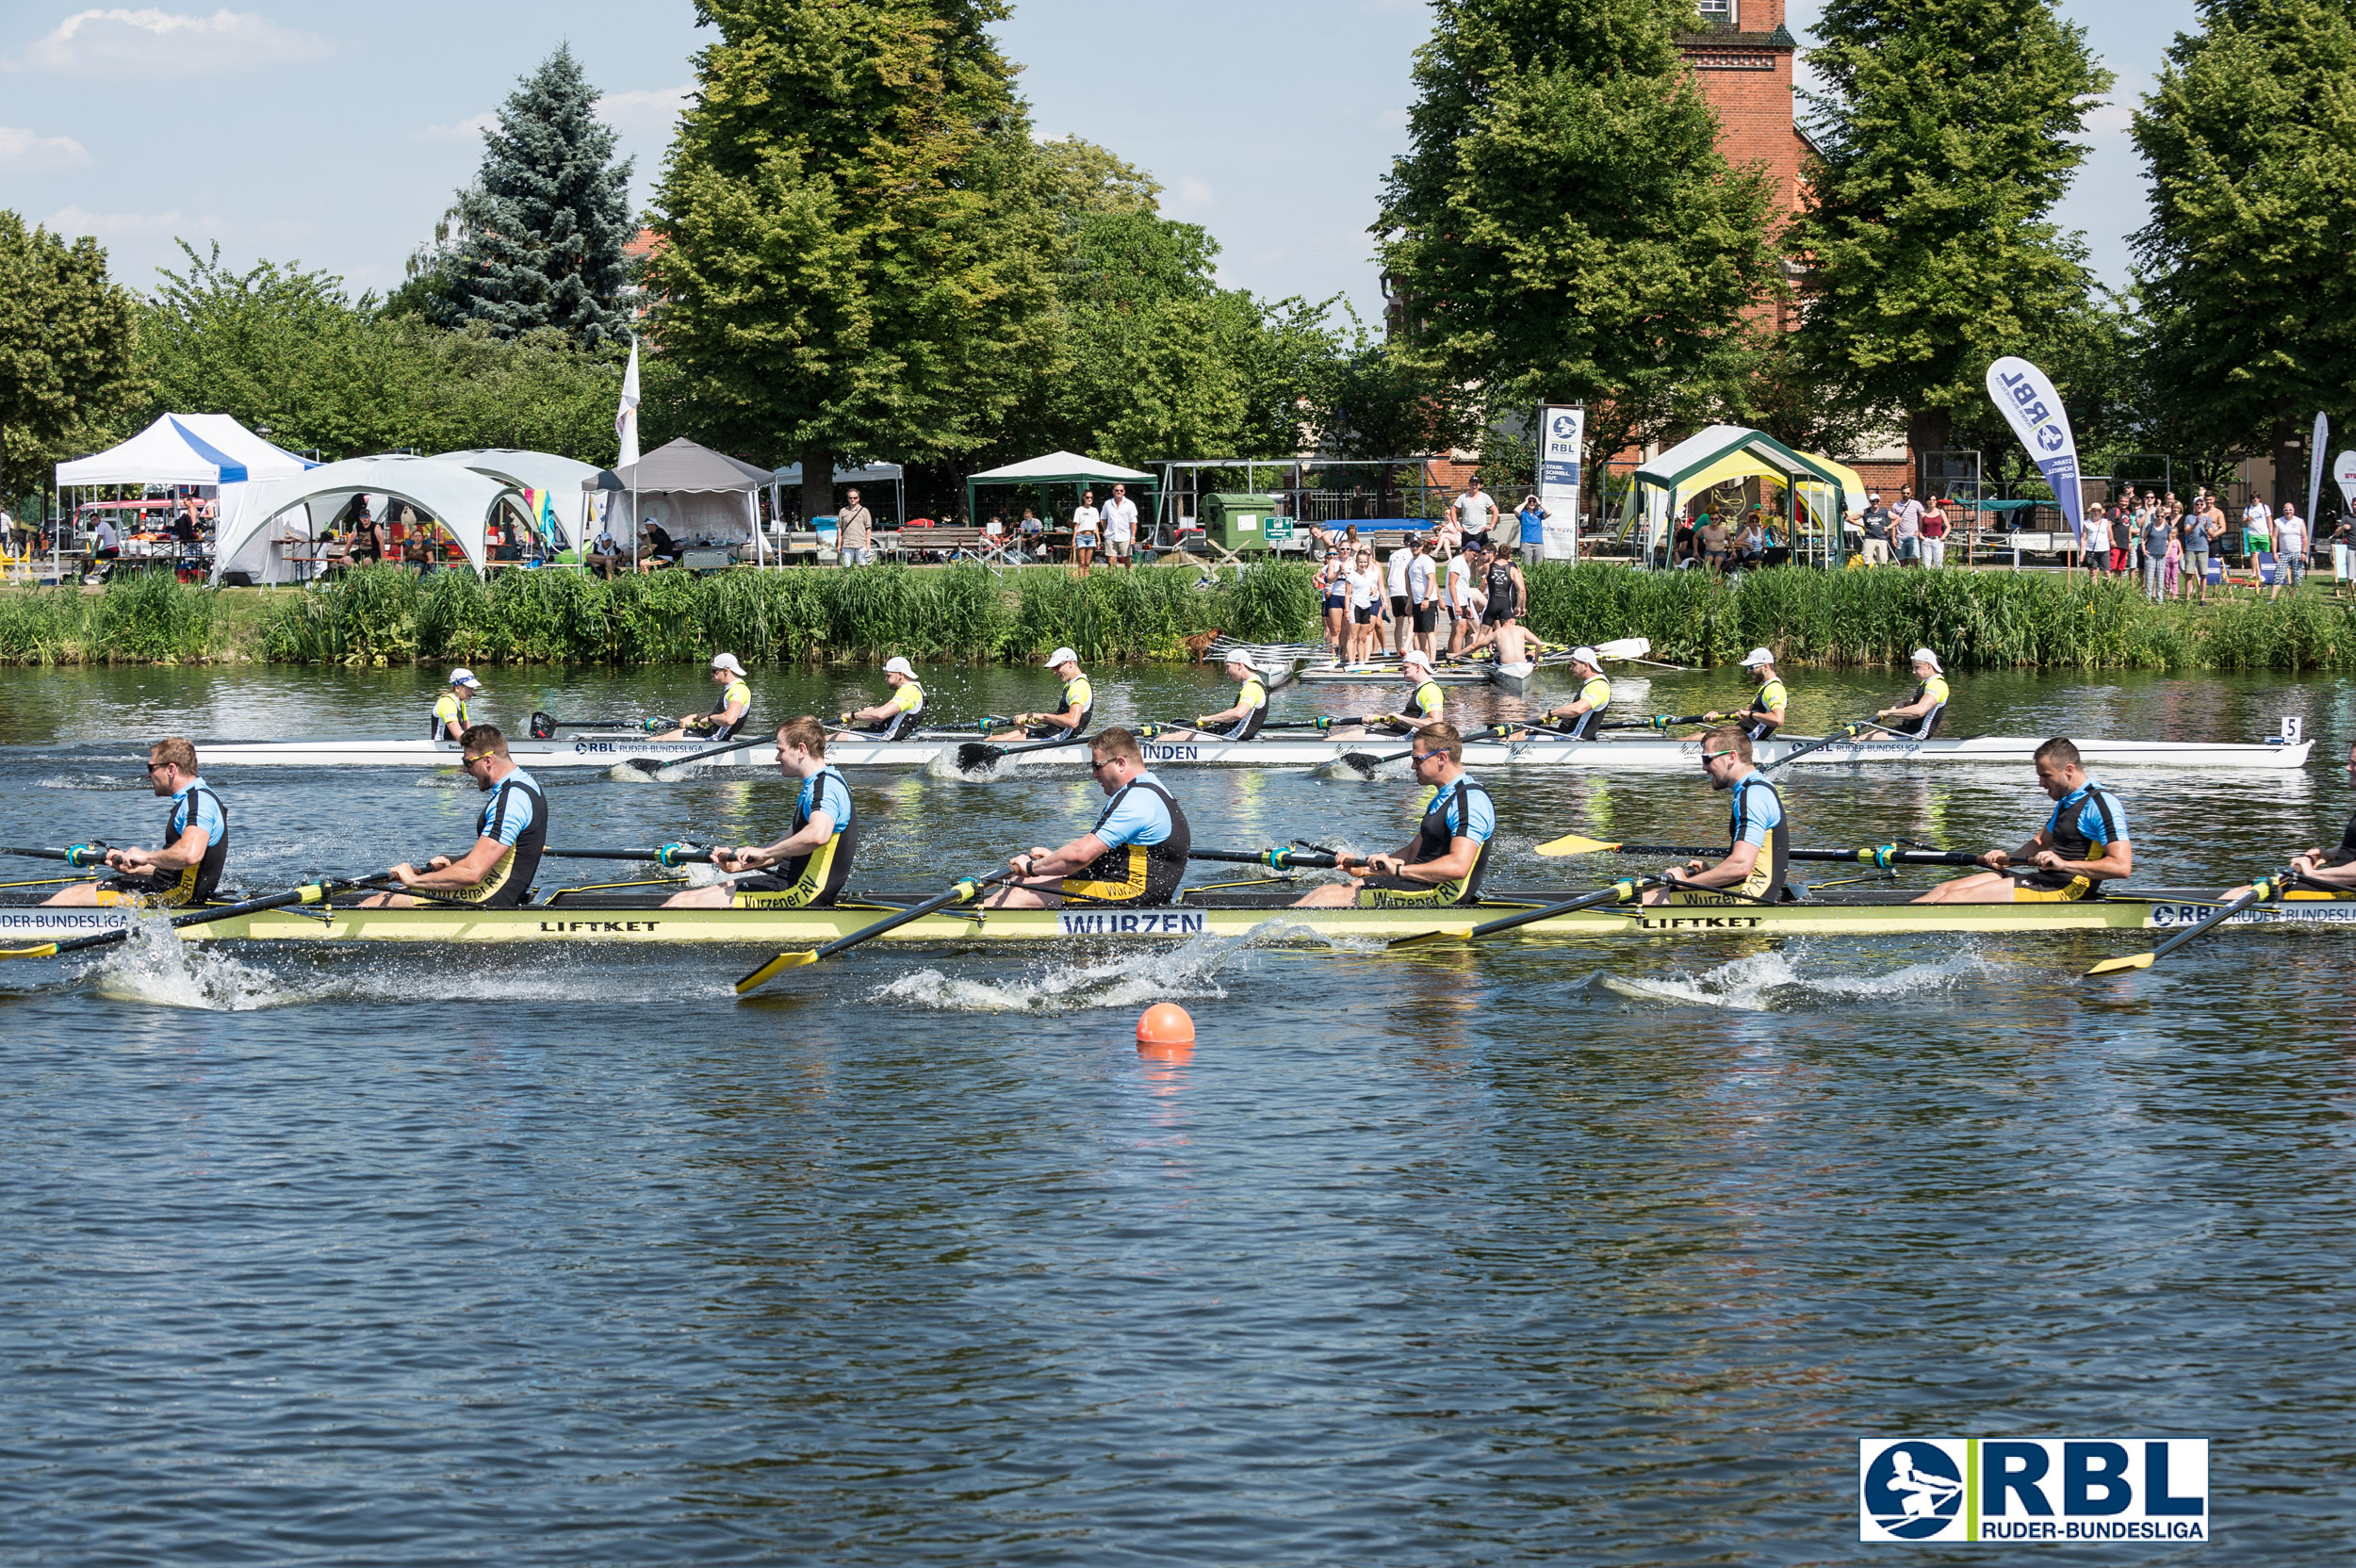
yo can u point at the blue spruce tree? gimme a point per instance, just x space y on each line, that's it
541 231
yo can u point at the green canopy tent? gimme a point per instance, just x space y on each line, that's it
1725 452
1064 468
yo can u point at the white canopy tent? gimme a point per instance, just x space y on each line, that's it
555 481
1054 469
460 500
184 448
788 480
698 497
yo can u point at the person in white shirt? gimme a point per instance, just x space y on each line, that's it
1464 605
1475 511
1085 521
1121 528
1401 608
1423 594
2292 543
1365 606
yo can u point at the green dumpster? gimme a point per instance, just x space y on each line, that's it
1237 522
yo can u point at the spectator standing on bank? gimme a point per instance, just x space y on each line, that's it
1423 594
1905 527
1533 519
1086 522
2342 553
2290 551
1121 529
1876 525
2257 530
1394 573
854 533
2123 542
1463 609
1475 512
1935 533
2159 541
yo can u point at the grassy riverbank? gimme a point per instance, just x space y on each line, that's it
1974 619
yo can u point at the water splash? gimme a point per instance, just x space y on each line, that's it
101 781
1049 988
1777 982
156 967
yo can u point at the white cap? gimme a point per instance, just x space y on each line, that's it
727 662
1756 656
1061 656
899 666
1416 656
464 677
1587 656
1925 656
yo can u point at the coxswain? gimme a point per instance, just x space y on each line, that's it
1579 718
897 717
497 873
1425 705
2082 845
1919 715
1243 721
196 842
2328 873
1078 703
1758 837
736 701
1765 715
1445 862
1135 854
452 716
813 859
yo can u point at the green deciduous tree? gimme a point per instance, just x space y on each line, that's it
66 335
1564 226
854 254
2249 265
539 235
1946 131
1078 177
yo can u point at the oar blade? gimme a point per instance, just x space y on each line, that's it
2114 966
973 756
635 770
1574 843
1428 939
797 959
1349 767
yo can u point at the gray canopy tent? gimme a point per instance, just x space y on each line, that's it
690 489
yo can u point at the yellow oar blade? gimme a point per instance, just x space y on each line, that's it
1573 843
1423 937
2112 966
46 950
774 967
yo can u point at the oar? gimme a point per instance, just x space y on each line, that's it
966 891
1846 732
1877 854
544 726
1275 859
973 755
73 854
1363 765
1619 892
640 770
669 855
1661 721
2264 889
310 892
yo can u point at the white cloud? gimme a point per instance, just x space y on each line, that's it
463 130
1191 198
648 109
148 230
21 151
150 40
2115 114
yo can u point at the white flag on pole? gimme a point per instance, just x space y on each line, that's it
2314 464
626 417
2034 411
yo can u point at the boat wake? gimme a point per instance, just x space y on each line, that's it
104 781
1779 982
155 967
1050 989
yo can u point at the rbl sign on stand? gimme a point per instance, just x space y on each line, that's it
2078 1491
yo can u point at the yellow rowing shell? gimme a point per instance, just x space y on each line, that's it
585 925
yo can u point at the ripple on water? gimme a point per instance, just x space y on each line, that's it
1783 980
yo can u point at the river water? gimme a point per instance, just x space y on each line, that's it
533 1256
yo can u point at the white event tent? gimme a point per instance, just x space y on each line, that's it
697 495
555 481
788 480
1068 469
184 448
268 511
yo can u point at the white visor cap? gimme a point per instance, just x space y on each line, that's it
899 666
464 677
1756 656
727 662
1925 656
1061 656
1416 656
1587 656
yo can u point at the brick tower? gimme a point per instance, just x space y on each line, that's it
1744 63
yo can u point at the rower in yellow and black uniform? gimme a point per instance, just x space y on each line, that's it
453 718
814 858
1425 706
1135 854
1078 703
2322 872
1242 721
735 705
196 842
1758 835
1450 853
2082 845
1766 714
1579 718
897 717
1918 717
497 873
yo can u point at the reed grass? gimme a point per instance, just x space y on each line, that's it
382 616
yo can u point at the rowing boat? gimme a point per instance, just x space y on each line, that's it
936 753
604 919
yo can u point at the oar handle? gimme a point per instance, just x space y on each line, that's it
73 854
666 854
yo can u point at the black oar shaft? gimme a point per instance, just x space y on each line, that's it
1619 892
668 854
1880 854
1275 859
73 854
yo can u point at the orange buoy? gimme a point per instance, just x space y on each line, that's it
1165 1023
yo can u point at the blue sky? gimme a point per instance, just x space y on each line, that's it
334 132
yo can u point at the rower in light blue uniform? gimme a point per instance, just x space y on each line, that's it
2083 845
1759 835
